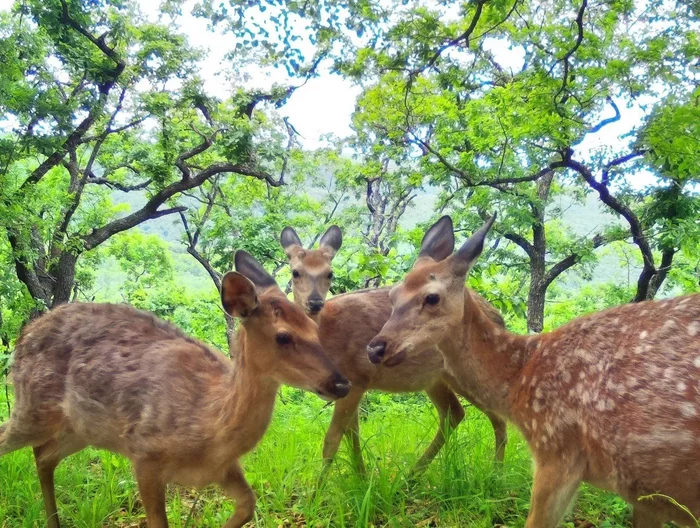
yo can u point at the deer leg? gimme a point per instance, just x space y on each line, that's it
344 412
554 488
152 492
646 516
354 433
500 430
451 413
236 487
47 457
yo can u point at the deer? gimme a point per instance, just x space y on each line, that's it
347 322
116 378
611 398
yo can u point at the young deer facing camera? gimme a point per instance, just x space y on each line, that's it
346 324
611 398
117 378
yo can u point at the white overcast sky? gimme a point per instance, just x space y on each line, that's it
324 105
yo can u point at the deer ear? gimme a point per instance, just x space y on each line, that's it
250 268
439 241
466 255
331 240
238 295
289 239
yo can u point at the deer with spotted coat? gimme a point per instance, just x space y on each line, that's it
347 322
611 398
121 379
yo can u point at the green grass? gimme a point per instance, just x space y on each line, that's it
463 486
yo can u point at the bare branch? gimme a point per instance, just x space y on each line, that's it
608 120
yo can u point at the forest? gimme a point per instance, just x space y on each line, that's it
142 144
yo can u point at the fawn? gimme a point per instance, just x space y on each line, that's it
346 324
117 378
611 398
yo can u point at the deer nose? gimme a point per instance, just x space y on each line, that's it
376 350
339 386
315 305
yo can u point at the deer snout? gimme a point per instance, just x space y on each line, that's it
376 350
337 386
315 305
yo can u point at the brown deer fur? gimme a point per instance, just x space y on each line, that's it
612 398
346 324
117 378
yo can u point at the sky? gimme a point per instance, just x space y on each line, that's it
324 105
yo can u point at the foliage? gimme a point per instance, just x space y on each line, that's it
122 179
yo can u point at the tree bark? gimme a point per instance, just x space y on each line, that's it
538 282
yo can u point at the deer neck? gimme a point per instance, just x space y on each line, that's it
249 398
485 360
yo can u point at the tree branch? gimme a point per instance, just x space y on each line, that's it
616 205
150 210
570 53
570 260
607 120
192 250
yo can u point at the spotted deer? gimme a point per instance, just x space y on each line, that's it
347 323
611 398
117 378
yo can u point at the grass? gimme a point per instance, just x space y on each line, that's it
463 486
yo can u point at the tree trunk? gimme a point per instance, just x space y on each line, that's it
660 276
63 275
536 297
538 284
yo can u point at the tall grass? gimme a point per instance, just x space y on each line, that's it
463 486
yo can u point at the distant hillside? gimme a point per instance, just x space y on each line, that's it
584 219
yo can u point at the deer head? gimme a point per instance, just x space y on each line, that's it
428 306
311 268
281 341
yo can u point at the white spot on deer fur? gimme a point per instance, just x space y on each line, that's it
549 428
581 375
688 410
643 334
566 376
538 392
583 354
534 425
537 406
670 323
693 329
696 362
680 387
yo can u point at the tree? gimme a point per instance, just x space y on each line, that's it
103 102
512 133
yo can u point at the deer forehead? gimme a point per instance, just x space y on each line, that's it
290 317
314 262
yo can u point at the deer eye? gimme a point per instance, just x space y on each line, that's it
432 299
283 339
296 274
330 275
